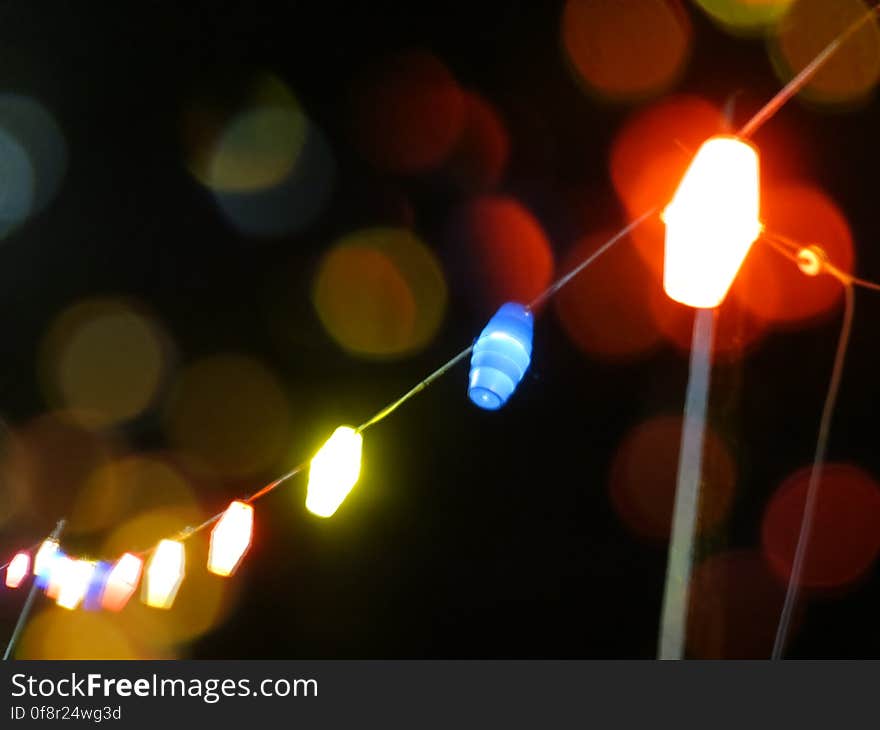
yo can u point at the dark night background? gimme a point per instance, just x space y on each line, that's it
471 534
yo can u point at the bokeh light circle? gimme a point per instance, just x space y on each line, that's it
380 292
104 360
643 477
626 48
268 166
53 455
606 310
479 157
408 112
56 633
33 156
845 537
503 250
745 17
229 415
735 604
127 486
257 149
807 28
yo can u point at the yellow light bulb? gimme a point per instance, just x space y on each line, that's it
231 538
122 582
73 581
334 470
712 222
165 573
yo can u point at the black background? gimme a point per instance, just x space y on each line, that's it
471 534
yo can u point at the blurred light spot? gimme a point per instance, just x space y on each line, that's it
643 476
13 489
380 292
649 157
503 250
33 157
771 286
202 602
59 634
257 149
807 28
845 537
230 415
269 167
479 158
735 603
626 48
606 309
745 16
408 112
104 361
55 456
127 486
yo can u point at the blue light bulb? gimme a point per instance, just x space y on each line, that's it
501 356
95 592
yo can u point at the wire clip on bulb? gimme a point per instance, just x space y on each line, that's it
812 260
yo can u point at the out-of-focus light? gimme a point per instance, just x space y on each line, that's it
164 574
626 49
501 356
43 561
334 470
502 250
74 577
97 583
122 582
851 72
17 569
712 222
231 538
380 292
744 17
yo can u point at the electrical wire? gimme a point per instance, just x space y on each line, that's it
794 580
804 76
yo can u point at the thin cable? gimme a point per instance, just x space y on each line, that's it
29 601
617 237
439 372
797 567
803 77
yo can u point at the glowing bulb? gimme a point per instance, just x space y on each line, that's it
231 538
73 579
43 560
334 471
164 574
56 574
501 356
17 569
97 583
712 222
122 582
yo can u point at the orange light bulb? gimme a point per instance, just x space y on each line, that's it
712 222
122 582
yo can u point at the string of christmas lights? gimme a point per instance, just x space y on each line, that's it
717 200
